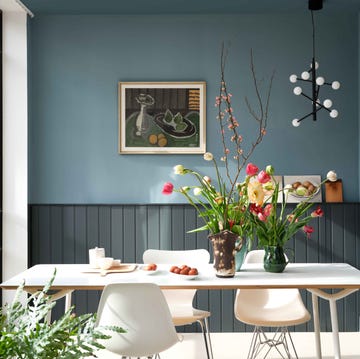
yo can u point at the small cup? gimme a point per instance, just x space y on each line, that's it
105 263
94 255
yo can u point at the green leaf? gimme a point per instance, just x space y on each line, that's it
181 127
178 118
168 117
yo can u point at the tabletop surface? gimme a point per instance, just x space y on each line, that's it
296 275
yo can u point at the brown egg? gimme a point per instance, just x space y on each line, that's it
306 184
296 184
311 189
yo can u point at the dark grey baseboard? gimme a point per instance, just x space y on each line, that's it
64 233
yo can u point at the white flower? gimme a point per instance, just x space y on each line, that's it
197 191
179 170
269 170
331 176
208 156
207 179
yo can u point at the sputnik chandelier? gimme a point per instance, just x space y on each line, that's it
310 76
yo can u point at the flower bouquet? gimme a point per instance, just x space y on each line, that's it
222 203
272 225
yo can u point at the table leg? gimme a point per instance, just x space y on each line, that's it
68 300
60 294
335 328
315 305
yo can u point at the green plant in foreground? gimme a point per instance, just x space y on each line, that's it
25 332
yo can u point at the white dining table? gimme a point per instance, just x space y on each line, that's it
317 278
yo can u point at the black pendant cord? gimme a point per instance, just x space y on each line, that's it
315 90
313 33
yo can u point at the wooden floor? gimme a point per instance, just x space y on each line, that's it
235 346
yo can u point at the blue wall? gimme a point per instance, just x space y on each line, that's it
76 61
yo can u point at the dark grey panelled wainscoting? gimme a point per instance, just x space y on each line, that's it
64 233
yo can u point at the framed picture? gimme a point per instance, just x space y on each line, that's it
302 187
162 117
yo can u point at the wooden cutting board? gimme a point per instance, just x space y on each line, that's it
122 268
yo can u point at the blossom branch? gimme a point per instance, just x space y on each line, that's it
226 117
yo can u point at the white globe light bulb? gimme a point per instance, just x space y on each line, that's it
320 81
295 122
297 90
293 78
327 103
318 102
335 85
334 113
305 75
316 65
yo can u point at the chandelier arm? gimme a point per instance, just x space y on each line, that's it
317 104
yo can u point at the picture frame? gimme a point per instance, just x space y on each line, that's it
304 181
162 117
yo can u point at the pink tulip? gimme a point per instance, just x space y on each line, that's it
251 169
168 188
263 177
268 209
262 217
318 212
308 230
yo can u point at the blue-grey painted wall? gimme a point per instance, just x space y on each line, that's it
76 62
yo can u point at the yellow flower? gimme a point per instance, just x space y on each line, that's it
256 193
219 199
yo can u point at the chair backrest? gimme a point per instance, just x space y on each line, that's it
256 256
192 257
141 309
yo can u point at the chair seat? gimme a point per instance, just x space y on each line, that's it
276 317
271 307
184 316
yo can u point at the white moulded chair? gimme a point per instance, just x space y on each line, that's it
181 301
277 308
136 307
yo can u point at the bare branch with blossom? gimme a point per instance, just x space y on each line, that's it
228 121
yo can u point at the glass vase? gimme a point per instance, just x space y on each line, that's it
274 259
240 253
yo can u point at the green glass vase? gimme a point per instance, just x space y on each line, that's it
274 259
241 250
